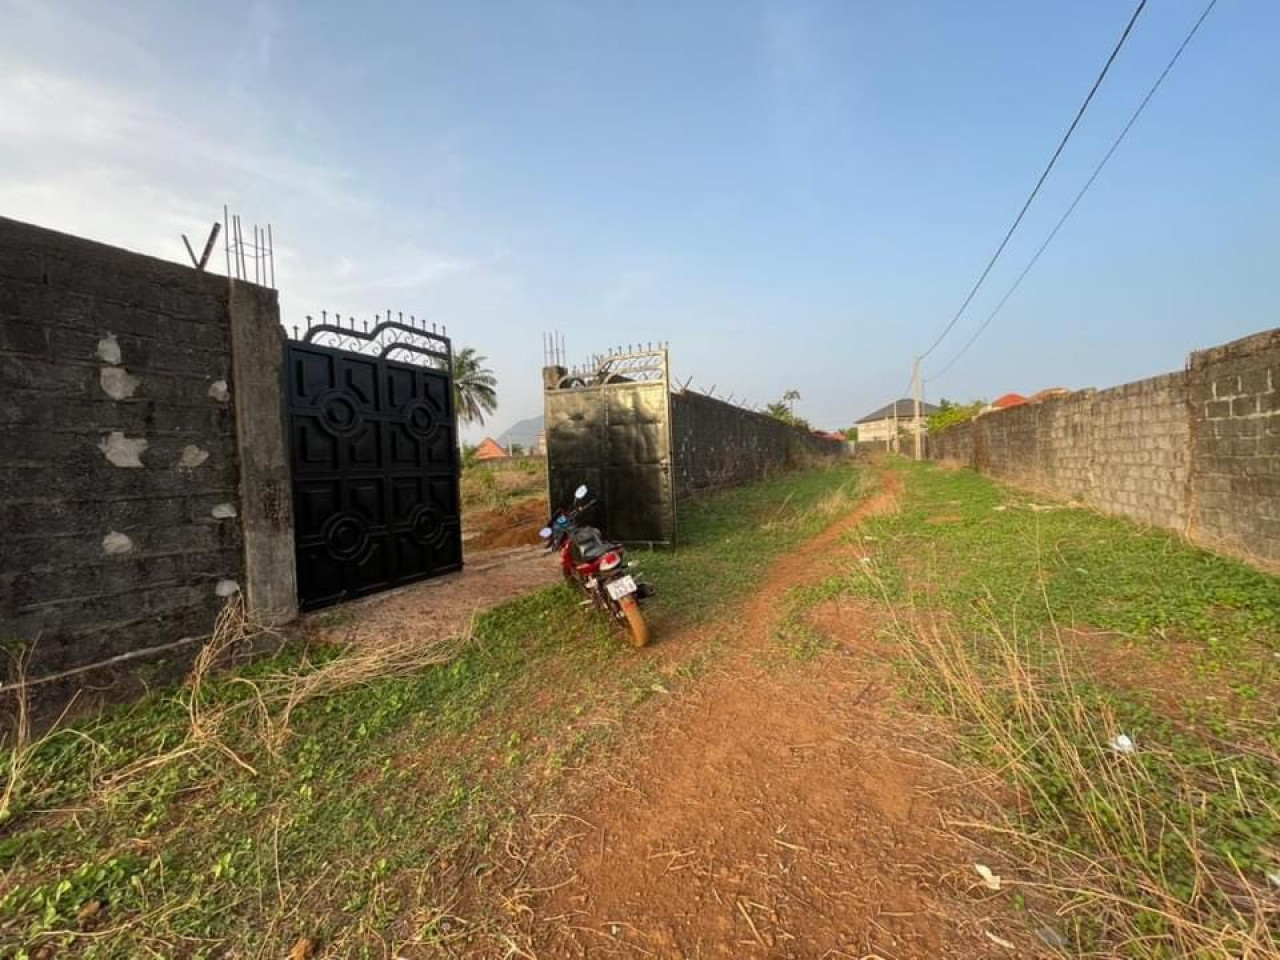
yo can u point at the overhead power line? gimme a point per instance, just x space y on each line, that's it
1083 190
1039 183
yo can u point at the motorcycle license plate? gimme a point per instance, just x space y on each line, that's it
622 587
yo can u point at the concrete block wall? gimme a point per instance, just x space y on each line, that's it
1234 404
1196 451
120 486
717 444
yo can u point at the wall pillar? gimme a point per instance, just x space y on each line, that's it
266 495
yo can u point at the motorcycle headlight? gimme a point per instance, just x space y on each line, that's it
610 560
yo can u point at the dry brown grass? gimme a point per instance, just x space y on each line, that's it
236 727
1128 845
20 745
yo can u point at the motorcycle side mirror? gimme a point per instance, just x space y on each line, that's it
580 493
544 533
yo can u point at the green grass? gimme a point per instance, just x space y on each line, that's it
727 539
983 552
987 592
342 834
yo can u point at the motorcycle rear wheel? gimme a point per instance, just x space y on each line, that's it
636 623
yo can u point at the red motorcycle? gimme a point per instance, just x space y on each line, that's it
598 568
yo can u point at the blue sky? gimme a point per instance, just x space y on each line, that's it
792 194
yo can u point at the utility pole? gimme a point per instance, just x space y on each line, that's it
915 395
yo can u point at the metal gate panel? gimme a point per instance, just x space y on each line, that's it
612 431
375 466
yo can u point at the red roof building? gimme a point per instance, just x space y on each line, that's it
1008 400
490 450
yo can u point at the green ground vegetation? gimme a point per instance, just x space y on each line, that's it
153 831
498 486
1048 631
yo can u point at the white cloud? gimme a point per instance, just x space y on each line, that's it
97 153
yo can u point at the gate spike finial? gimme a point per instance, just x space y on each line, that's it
324 316
308 321
295 331
365 324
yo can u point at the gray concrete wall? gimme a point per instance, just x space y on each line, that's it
1234 404
1196 451
120 484
717 444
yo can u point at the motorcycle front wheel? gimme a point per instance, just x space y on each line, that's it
636 623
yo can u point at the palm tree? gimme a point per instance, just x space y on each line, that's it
790 398
474 386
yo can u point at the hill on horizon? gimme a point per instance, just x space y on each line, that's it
523 432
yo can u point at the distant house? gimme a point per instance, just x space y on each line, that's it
490 450
1007 401
885 424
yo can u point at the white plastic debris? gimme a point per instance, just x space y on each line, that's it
1000 941
1274 877
989 880
1121 743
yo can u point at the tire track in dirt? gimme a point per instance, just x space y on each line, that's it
771 812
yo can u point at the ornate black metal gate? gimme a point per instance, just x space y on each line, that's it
374 457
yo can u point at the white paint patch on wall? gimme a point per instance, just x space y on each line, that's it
219 391
109 349
122 451
118 383
192 457
115 543
223 511
226 588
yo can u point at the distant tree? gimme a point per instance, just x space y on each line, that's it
780 410
469 454
851 434
950 413
475 388
790 398
515 450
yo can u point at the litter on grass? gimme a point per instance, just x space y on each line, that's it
1121 743
989 880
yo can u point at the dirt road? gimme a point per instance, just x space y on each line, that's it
774 812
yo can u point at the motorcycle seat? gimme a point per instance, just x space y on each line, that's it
589 544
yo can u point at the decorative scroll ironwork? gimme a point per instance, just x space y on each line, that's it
408 340
637 363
